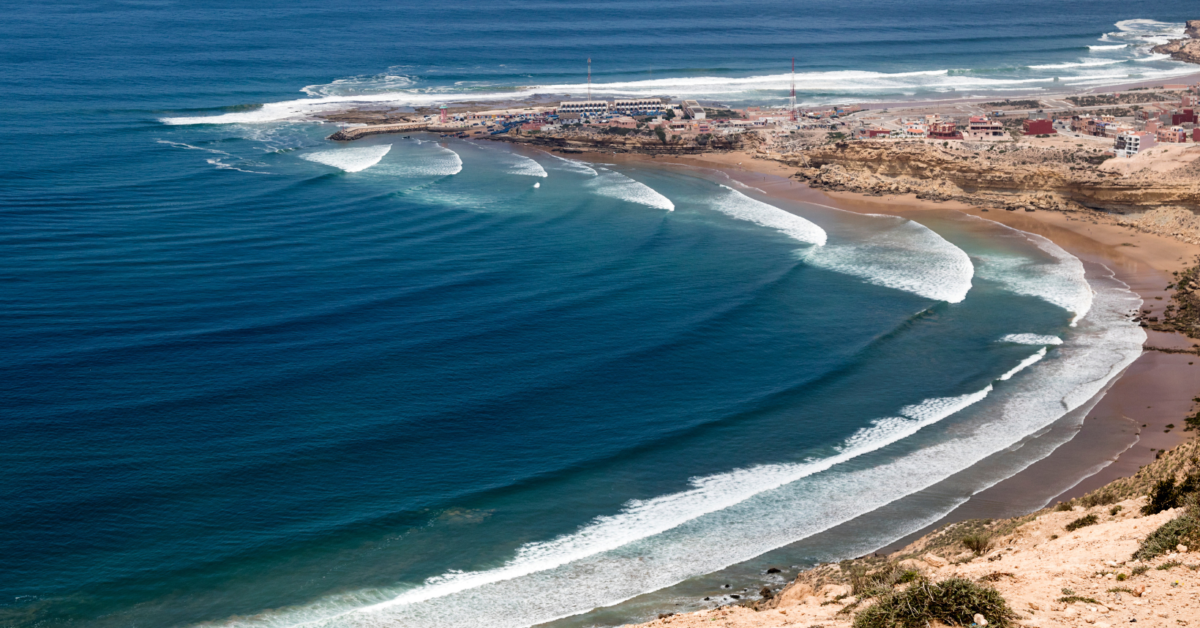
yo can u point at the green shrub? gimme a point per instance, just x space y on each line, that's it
1098 499
1183 530
1122 577
1065 506
1121 590
1166 495
954 601
1168 565
979 544
1140 569
1069 599
1115 509
865 582
1082 522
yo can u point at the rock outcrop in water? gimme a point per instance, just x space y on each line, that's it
1187 49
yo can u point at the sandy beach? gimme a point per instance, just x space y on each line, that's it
1128 427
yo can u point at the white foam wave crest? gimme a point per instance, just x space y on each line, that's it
618 186
190 147
224 166
350 159
738 205
732 517
1062 282
904 255
397 90
1026 363
1031 339
524 166
372 84
1084 63
437 161
574 166
642 519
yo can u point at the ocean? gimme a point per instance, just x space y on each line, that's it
252 377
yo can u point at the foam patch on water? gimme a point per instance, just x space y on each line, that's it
350 159
1061 282
733 203
1031 339
430 160
904 255
618 186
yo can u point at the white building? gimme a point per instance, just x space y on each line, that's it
1130 144
636 105
583 106
693 109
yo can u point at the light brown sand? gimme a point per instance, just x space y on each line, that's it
1032 569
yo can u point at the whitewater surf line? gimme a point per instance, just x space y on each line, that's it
354 159
616 185
1062 283
732 517
1131 41
737 205
901 254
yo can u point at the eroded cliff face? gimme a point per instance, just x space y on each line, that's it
1011 179
1187 49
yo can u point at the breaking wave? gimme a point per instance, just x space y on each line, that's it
1131 42
738 205
1031 339
1027 362
1061 282
731 517
350 159
618 186
904 255
436 161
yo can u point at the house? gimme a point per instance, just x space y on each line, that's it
1173 135
1130 144
983 129
693 109
942 130
1043 126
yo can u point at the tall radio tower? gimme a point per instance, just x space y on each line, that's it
589 78
792 100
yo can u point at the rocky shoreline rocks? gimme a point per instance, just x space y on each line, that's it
1187 49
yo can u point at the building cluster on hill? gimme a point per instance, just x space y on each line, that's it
684 118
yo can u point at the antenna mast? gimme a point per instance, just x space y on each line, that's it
792 100
589 78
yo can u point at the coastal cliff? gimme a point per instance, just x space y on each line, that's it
1122 554
1017 178
1187 49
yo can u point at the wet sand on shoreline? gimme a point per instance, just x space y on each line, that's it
1127 427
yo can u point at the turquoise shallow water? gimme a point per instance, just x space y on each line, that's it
254 377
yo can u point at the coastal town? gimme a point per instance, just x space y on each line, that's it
1132 122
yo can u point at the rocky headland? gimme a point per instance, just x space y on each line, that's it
1186 49
1158 199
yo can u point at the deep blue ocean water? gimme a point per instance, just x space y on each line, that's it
251 376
